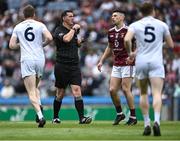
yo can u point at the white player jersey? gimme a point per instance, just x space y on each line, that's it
149 33
30 36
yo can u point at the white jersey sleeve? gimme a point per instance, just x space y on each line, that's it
14 33
44 28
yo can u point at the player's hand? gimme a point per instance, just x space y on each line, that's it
131 58
99 66
129 61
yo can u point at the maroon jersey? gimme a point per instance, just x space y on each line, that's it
116 42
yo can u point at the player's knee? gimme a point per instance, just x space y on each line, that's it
112 90
126 89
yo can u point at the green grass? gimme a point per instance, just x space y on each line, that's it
71 130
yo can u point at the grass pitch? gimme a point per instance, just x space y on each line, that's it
71 130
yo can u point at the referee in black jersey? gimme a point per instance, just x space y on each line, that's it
67 69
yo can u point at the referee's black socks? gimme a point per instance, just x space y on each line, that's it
79 106
56 105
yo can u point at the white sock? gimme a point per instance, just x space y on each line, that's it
39 101
40 115
146 120
118 114
157 117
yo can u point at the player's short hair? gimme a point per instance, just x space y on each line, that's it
146 8
118 11
64 13
28 11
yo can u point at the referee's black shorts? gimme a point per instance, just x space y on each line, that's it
66 74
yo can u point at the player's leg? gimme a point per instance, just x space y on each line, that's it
30 84
38 97
37 90
156 76
115 83
40 121
39 68
126 87
156 86
28 71
142 73
144 104
113 89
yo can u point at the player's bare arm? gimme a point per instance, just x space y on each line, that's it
13 43
127 41
131 57
169 41
105 55
48 38
128 46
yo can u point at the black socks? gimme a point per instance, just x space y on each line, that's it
79 106
57 106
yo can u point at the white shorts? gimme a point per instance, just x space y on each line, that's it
31 67
123 71
149 70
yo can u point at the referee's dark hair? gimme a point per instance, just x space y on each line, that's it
28 11
64 13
